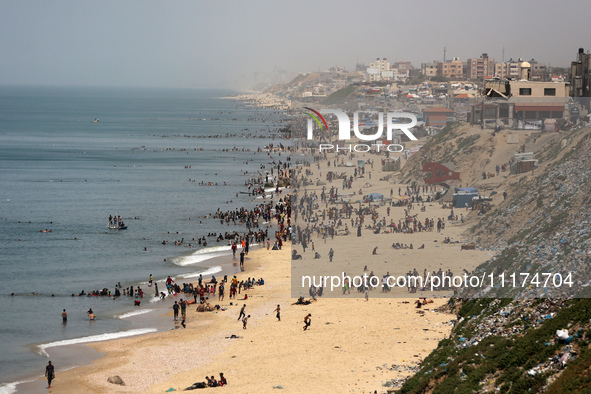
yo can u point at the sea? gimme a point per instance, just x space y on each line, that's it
69 158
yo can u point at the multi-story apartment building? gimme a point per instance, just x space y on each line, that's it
480 68
452 69
402 67
429 69
510 70
580 75
379 70
506 70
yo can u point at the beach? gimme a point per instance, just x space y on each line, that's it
347 345
352 344
163 159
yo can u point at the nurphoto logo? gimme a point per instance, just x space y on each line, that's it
345 124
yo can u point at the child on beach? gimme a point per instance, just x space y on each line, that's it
307 321
245 321
278 310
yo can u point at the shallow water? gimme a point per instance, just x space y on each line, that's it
61 172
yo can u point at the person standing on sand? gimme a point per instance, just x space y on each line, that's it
307 321
242 314
245 321
64 316
242 259
278 310
50 373
330 254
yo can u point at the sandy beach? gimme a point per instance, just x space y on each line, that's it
347 345
353 345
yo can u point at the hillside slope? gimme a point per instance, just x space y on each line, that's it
513 344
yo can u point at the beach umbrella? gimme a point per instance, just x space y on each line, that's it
376 195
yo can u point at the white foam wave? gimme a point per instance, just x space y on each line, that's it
272 189
202 255
134 313
8 388
213 249
95 338
208 272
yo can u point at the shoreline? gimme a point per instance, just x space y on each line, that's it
112 310
204 348
163 313
362 345
154 314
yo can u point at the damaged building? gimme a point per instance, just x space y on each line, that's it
519 104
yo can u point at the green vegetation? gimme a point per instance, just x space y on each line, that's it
340 95
444 135
521 234
440 78
551 226
468 141
504 362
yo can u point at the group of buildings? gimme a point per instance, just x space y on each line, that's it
513 94
454 69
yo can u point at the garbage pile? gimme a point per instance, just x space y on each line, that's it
545 230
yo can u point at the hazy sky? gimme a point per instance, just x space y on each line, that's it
212 43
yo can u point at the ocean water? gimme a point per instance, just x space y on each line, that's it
62 172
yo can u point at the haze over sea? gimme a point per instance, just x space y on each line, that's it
62 172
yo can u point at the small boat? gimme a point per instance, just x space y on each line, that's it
116 227
116 223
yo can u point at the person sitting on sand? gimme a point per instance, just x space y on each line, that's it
222 381
301 301
375 251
